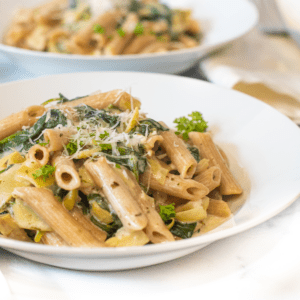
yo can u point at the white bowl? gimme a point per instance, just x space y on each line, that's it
262 146
223 21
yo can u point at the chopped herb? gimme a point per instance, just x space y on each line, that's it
72 147
98 29
195 123
44 144
167 212
183 230
104 135
121 32
139 29
118 166
44 171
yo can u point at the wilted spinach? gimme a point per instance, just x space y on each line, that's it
22 140
183 230
86 112
148 125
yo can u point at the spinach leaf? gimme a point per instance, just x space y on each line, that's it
135 163
59 192
63 99
183 230
195 152
134 6
100 200
7 168
87 112
148 125
83 203
109 228
22 140
157 11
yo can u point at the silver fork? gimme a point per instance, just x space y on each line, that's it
272 22
270 19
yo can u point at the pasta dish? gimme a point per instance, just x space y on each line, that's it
127 27
95 171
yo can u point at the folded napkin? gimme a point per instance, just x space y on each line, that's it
266 67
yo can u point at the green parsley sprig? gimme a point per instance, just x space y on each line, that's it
44 172
187 125
98 29
167 212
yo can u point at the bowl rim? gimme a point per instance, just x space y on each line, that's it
198 49
194 242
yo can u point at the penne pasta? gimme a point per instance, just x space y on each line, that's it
174 185
208 150
125 28
66 174
57 138
53 239
99 234
117 194
15 122
39 154
156 229
211 178
179 154
96 172
53 213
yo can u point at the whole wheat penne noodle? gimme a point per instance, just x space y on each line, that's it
210 177
208 150
53 239
38 38
121 39
202 165
139 43
50 13
175 185
74 48
15 122
224 156
107 21
57 138
17 33
39 153
66 174
10 229
188 41
178 153
152 142
117 194
156 228
176 46
77 214
154 47
43 202
161 198
218 208
117 98
215 194
193 26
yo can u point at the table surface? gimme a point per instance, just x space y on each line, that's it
261 263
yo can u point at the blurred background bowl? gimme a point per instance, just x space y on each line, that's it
221 21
